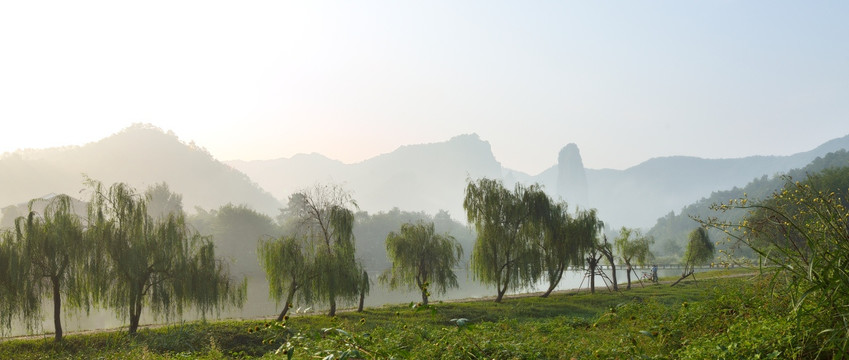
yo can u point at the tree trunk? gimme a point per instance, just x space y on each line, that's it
424 297
613 269
592 276
501 292
553 284
283 313
135 315
134 324
57 308
628 275
608 253
362 301
332 306
289 298
548 292
682 278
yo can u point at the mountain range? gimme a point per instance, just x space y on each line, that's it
422 177
432 177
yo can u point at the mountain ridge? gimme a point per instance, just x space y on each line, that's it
140 155
636 196
416 177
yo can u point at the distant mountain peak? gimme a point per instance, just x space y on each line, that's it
572 177
313 157
471 143
466 137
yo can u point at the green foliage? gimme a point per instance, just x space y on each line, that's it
743 323
565 240
507 225
671 230
288 267
699 251
720 319
11 281
155 262
371 231
633 246
45 256
633 249
586 228
422 259
320 215
162 201
802 233
558 247
236 231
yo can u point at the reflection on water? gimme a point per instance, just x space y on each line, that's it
258 304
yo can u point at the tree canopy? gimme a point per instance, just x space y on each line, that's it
633 248
322 217
14 302
53 254
371 230
699 250
155 262
289 266
508 224
586 227
564 242
422 259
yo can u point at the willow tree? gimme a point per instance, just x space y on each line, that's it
632 247
699 252
565 241
585 228
507 224
6 286
557 246
606 249
157 262
364 288
321 216
15 302
288 268
53 255
422 259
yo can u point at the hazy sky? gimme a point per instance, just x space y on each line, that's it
626 80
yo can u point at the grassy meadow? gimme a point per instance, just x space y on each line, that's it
716 317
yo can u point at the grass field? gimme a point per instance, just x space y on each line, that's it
729 317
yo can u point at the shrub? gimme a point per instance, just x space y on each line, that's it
801 234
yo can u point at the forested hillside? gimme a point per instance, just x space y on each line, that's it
670 232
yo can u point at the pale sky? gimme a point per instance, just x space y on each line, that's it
252 80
